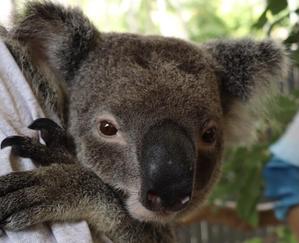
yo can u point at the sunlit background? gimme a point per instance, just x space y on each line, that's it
237 210
197 20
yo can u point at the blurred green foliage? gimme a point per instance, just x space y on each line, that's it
285 235
198 20
242 180
280 13
280 234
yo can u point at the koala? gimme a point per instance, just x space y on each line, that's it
149 118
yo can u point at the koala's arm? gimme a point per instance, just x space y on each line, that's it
70 192
65 191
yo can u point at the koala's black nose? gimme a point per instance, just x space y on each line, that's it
167 164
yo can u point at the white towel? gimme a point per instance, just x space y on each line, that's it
18 108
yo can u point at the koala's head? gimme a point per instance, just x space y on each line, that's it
150 115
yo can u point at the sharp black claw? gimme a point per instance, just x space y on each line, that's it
12 140
43 123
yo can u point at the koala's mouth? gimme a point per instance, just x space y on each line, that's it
141 213
132 201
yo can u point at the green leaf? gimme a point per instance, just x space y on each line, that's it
262 20
275 6
293 36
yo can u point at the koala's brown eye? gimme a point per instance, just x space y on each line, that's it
209 135
107 128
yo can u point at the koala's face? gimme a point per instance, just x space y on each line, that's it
147 115
150 115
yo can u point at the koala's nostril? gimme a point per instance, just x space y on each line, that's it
154 201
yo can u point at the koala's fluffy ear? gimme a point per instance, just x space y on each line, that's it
59 37
248 71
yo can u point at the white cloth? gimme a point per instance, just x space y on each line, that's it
287 147
18 108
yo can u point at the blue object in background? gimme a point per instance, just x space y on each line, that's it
282 185
282 171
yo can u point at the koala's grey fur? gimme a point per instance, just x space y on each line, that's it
80 74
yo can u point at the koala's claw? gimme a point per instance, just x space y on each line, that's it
52 133
59 146
13 140
23 146
44 123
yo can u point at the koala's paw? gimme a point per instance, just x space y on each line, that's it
31 197
21 199
59 146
